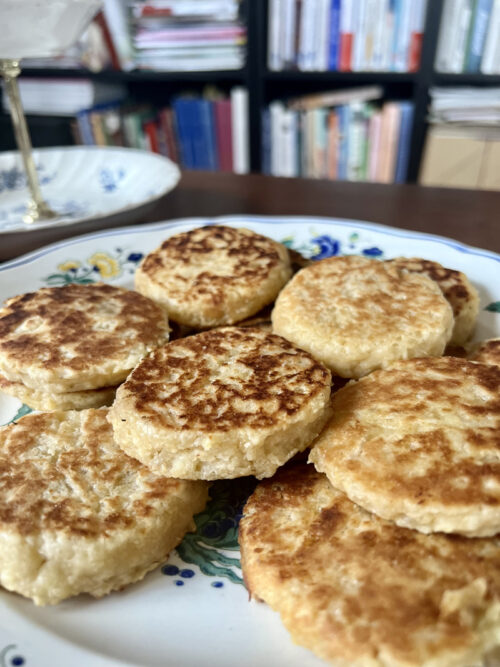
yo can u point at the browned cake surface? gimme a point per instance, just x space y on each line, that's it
361 591
419 443
487 352
77 337
62 471
214 275
457 290
224 403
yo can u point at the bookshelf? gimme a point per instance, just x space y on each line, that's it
265 86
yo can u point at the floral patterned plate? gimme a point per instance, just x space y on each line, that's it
83 183
194 610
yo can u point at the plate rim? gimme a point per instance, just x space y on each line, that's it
29 257
66 221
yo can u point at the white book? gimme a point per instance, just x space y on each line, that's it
115 13
490 62
360 28
274 60
288 148
459 44
240 131
287 34
449 24
402 41
276 110
381 36
306 38
322 31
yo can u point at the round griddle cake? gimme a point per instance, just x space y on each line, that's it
361 591
487 352
69 400
77 515
77 337
214 275
356 314
456 288
419 444
221 404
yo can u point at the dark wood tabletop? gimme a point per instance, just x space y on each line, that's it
469 216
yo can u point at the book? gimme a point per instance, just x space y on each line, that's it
274 61
223 133
344 120
356 162
334 41
240 130
115 14
479 30
417 24
336 98
490 61
374 131
333 145
166 122
182 110
266 142
450 18
401 39
287 33
389 134
347 22
382 31
289 147
403 145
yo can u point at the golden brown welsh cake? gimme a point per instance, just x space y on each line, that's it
487 352
76 338
221 404
419 444
77 515
214 275
358 590
456 288
357 314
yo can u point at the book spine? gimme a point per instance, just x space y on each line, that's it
417 24
401 40
186 151
490 64
239 125
207 133
334 34
266 142
115 14
306 39
333 144
355 155
222 112
344 120
403 145
374 130
459 41
478 35
320 143
346 35
274 19
85 128
391 115
150 133
359 38
287 34
322 35
288 137
448 19
276 109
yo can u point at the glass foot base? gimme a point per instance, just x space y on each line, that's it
36 212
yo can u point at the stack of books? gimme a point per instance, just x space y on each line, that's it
208 133
469 39
342 135
185 35
345 35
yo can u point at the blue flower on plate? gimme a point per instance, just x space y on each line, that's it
373 252
110 178
135 257
326 247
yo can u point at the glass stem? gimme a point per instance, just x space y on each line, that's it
37 208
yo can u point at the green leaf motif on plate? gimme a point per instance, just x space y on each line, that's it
493 307
217 530
99 266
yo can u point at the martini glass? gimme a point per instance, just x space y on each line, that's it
41 29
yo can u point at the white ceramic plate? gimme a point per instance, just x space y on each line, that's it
194 611
83 183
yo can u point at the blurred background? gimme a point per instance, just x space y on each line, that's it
362 90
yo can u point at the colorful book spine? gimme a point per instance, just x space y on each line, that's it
478 35
333 145
417 24
334 41
347 19
182 113
222 114
404 140
266 142
490 62
344 120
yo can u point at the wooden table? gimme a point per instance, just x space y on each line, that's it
469 216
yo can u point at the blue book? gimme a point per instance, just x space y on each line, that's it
480 23
395 7
404 140
85 128
266 142
334 44
204 146
344 114
182 113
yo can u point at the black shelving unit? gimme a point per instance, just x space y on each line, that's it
264 86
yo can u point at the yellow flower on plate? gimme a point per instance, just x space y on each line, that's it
70 264
106 265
